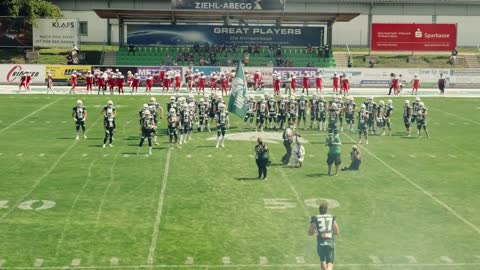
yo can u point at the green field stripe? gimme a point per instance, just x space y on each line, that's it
158 216
29 115
39 180
421 189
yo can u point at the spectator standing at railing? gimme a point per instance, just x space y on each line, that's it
279 51
309 48
453 56
131 49
256 49
271 50
196 47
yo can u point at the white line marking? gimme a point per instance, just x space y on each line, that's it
105 155
20 155
392 155
114 261
64 122
1 121
230 156
424 191
47 122
209 156
2 262
263 260
458 116
189 156
76 262
452 156
42 155
189 261
250 156
477 256
126 155
411 259
158 217
446 259
38 263
226 260
436 123
33 113
432 156
251 266
1 154
412 156
300 259
69 216
375 259
311 156
84 155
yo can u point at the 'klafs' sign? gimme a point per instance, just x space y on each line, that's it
229 4
55 33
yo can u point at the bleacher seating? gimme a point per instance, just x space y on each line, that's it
167 55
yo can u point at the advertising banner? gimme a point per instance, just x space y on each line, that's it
55 32
15 32
240 35
11 74
229 4
413 37
298 72
63 72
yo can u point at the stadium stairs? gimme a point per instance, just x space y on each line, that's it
341 59
472 60
163 55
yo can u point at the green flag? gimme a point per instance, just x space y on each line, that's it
236 103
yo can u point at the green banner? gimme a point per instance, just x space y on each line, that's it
236 103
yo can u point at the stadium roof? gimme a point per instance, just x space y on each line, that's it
453 2
214 15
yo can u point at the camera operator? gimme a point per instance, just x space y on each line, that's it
333 142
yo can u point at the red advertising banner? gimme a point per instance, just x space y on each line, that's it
413 37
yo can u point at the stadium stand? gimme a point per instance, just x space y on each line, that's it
169 55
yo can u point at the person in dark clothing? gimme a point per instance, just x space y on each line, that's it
289 135
355 158
131 49
262 158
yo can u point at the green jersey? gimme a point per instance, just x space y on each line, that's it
324 227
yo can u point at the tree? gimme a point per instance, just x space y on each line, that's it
31 9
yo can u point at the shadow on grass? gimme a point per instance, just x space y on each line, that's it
248 178
317 175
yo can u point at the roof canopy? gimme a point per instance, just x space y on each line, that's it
219 15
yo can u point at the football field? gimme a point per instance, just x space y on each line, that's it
66 203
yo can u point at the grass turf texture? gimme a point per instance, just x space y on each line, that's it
107 200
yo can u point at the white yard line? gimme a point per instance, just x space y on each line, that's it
40 179
158 217
68 219
297 196
424 191
31 114
252 266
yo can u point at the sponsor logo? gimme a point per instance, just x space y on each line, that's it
63 25
16 73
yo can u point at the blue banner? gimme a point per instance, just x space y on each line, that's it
229 4
239 35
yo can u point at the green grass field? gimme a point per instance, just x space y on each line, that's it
66 203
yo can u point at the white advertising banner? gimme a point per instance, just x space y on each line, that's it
55 32
11 74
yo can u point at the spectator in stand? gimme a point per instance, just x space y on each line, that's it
131 49
234 48
309 48
249 49
327 51
202 61
206 47
75 50
246 58
196 47
256 49
453 57
271 50
279 50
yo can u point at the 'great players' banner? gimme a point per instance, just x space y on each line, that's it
413 37
229 4
214 34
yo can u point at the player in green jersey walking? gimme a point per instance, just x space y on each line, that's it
326 228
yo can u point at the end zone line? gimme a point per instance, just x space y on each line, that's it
253 266
33 113
424 191
158 217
